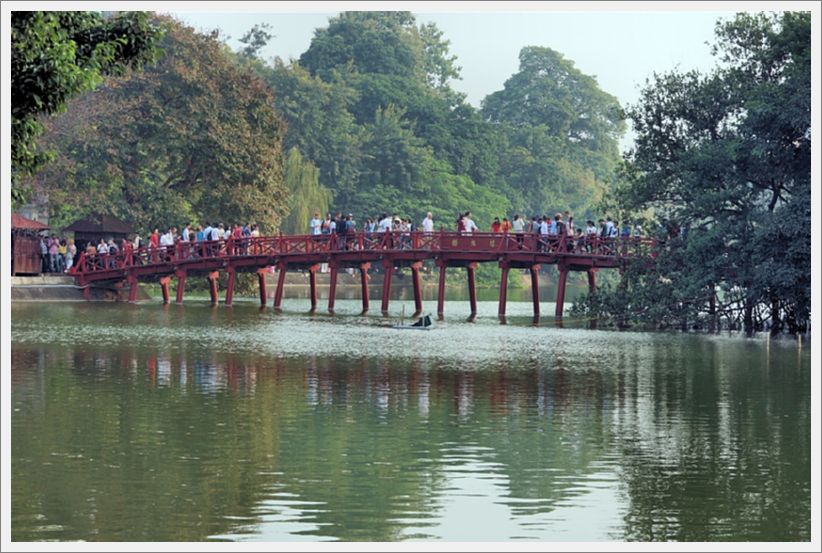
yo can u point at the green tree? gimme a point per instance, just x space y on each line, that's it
727 156
57 55
305 193
193 138
562 131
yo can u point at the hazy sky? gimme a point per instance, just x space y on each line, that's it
620 48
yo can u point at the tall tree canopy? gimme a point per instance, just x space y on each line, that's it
562 130
727 156
194 137
57 55
369 103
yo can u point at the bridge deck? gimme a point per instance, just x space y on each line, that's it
360 250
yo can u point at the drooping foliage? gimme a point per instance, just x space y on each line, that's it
57 55
194 137
306 195
725 157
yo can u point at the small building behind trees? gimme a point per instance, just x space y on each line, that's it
25 245
95 227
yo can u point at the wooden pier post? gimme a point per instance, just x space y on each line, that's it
592 288
261 281
278 293
364 285
229 290
415 279
312 285
133 287
441 291
181 285
472 289
563 277
212 286
535 288
164 281
388 266
503 288
332 288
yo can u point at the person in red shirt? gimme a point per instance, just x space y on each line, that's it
505 227
496 226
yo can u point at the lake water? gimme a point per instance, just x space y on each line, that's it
151 422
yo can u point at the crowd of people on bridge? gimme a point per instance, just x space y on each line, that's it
547 229
339 231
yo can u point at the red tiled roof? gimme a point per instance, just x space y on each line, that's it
20 222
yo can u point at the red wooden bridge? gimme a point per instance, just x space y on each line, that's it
390 249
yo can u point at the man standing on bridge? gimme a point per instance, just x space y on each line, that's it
428 223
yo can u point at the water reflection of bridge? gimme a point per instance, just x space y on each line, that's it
360 251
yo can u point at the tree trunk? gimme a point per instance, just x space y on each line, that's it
748 323
776 322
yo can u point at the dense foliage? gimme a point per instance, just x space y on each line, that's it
370 104
192 138
726 158
57 55
562 133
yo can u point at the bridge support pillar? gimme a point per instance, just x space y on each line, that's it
415 279
503 289
87 292
472 289
592 288
332 287
132 288
535 288
278 294
229 289
388 267
563 277
181 286
312 285
263 291
441 290
164 281
364 285
213 276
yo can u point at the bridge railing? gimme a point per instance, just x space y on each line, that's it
438 241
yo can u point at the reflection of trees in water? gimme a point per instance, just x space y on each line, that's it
721 447
187 443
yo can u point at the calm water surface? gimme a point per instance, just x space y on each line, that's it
190 423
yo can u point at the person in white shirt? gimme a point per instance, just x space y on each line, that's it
591 228
518 226
470 226
186 232
316 224
609 226
428 223
544 231
167 239
385 223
